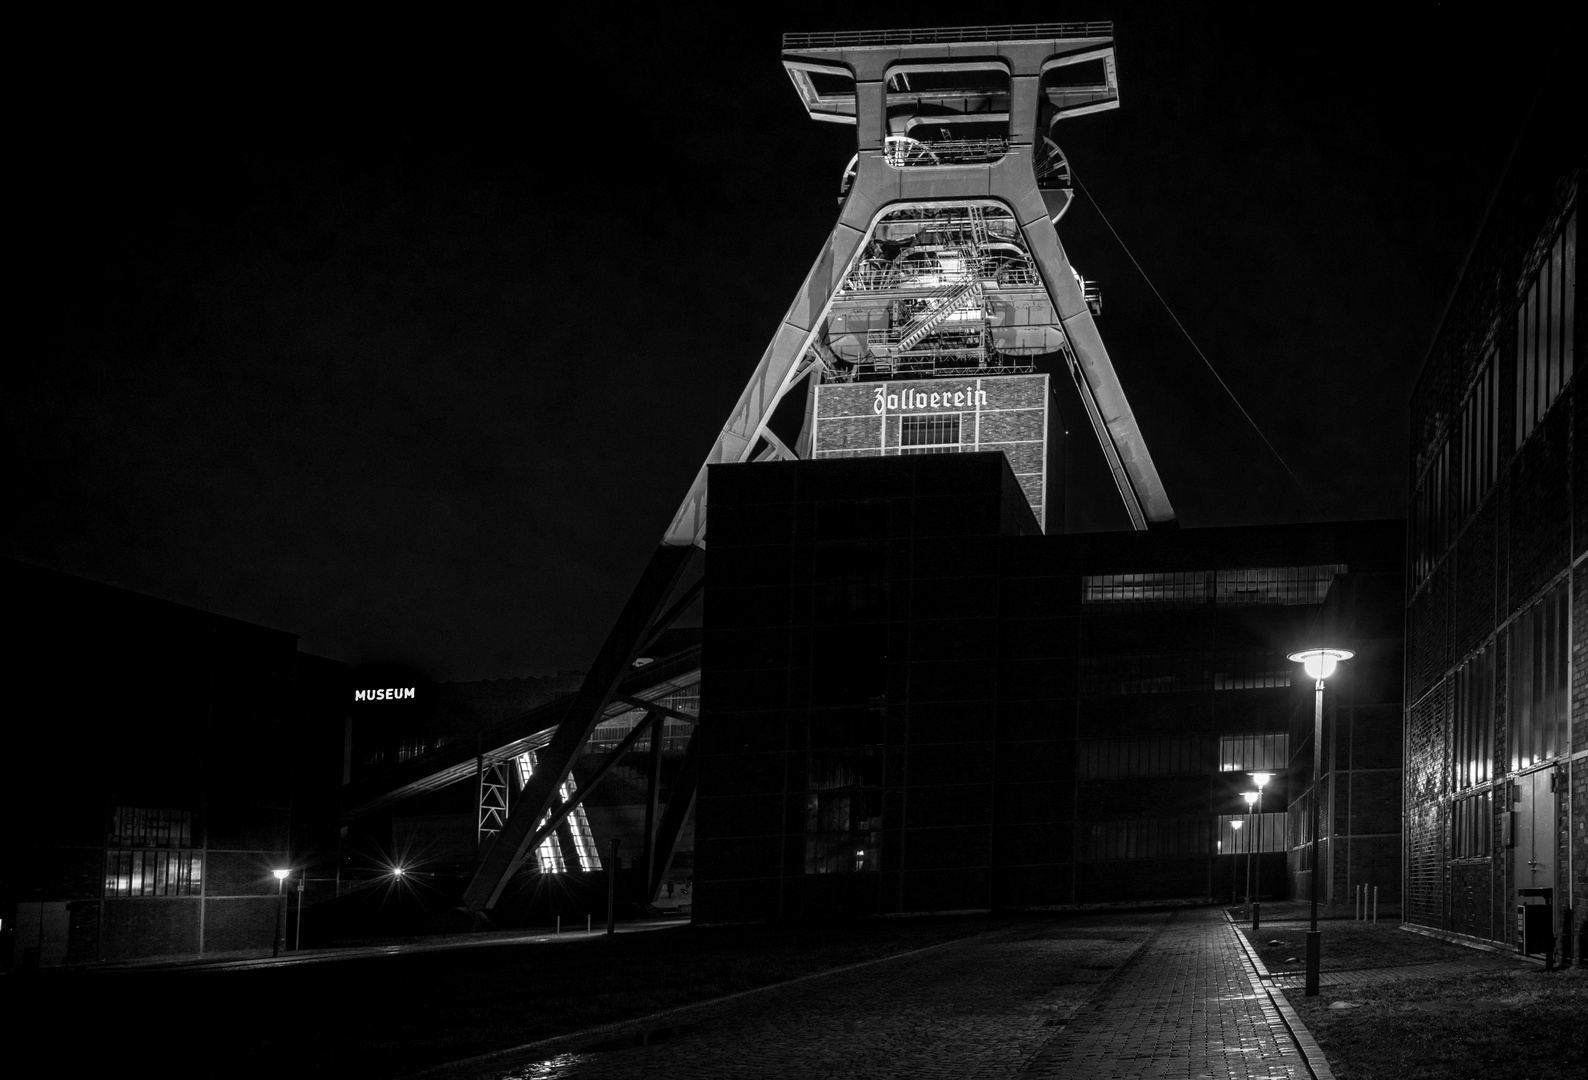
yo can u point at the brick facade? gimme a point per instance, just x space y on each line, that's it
1494 551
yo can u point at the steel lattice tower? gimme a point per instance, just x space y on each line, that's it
944 265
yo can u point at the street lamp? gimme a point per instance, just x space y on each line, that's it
1251 798
1319 665
1235 850
1261 779
281 911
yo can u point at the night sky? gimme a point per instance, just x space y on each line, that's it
411 345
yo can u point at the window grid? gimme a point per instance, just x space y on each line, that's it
1545 332
1472 826
931 434
150 854
1472 749
1537 680
1430 523
1258 832
1165 756
1283 585
1480 416
1254 753
153 873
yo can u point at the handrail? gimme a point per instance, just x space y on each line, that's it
837 39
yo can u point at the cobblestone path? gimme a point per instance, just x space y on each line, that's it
1185 1006
976 1008
1021 1002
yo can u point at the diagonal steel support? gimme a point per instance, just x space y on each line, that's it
507 851
641 703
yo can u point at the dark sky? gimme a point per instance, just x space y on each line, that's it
412 345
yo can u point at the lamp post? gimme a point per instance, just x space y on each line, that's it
1251 798
1235 851
1261 779
281 911
1319 664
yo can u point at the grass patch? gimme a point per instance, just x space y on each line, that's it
394 1015
1349 946
1497 1025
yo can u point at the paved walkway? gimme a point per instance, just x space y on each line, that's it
1155 995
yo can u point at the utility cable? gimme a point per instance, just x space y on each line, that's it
1187 333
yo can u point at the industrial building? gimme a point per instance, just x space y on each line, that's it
915 701
910 696
189 757
1496 723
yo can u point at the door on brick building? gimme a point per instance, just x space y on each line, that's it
41 931
1533 857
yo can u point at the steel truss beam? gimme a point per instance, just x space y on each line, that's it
637 624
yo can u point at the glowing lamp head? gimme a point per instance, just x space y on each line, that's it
281 875
1320 663
1261 779
1236 824
1250 797
397 871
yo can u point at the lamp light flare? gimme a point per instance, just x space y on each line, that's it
1250 797
1320 663
281 875
1261 779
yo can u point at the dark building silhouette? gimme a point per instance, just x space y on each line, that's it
1497 606
913 700
174 759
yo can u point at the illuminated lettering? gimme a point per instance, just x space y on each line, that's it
391 693
912 398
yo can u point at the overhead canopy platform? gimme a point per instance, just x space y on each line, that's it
454 762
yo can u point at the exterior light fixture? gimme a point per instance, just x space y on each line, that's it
1254 897
1319 664
397 871
281 910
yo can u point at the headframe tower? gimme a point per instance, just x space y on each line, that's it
944 270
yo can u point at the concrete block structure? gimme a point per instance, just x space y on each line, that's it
912 700
1496 722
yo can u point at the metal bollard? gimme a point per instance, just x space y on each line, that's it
1375 905
559 926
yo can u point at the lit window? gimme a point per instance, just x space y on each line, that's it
150 854
935 434
1536 672
1472 749
1545 328
1253 753
1471 826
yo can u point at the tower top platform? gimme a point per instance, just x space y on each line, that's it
869 77
943 35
